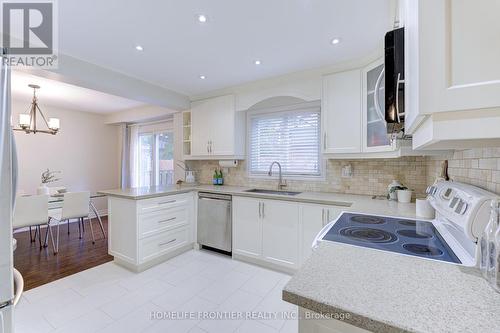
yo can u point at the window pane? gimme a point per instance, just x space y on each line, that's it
291 138
165 158
145 159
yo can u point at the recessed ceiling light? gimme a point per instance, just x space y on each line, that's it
139 48
202 18
203 77
257 62
335 41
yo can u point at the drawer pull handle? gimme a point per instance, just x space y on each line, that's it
166 202
166 243
167 220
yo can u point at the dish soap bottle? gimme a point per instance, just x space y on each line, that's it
487 238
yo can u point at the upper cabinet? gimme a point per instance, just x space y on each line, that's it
374 127
217 130
452 72
341 112
353 114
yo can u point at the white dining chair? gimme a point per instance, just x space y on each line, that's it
76 205
33 211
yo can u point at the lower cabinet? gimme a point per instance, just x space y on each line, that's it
277 232
313 218
145 232
280 233
247 227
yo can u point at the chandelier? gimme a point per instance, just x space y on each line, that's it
27 121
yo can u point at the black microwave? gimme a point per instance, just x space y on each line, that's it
394 63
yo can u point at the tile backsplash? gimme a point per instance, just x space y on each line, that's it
370 177
479 167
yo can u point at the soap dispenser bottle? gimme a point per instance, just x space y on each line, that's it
487 239
495 253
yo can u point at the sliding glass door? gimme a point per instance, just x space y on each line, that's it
156 158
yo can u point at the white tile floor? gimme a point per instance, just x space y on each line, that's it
109 298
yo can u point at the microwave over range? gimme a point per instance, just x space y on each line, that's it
394 80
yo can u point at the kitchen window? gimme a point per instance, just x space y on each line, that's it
156 158
290 136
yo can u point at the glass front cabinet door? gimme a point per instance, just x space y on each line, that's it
375 138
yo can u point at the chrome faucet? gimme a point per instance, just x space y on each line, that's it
281 182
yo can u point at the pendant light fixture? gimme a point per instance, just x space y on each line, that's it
27 121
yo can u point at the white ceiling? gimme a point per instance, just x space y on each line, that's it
286 35
67 96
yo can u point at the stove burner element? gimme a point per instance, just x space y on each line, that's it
413 234
423 250
367 219
368 235
409 223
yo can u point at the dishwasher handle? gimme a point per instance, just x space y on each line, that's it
216 196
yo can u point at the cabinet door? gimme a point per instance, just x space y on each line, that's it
247 227
280 230
375 138
201 118
222 130
341 112
455 51
313 218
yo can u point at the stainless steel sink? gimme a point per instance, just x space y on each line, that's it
256 190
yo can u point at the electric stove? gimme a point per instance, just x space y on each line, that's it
462 212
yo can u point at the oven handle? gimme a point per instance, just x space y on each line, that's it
320 235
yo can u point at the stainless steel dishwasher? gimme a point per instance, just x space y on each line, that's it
215 221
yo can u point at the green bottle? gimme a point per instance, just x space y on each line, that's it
215 178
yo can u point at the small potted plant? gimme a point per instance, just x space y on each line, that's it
47 178
403 193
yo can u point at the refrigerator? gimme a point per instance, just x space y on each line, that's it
11 282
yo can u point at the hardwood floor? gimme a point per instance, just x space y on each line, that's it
39 267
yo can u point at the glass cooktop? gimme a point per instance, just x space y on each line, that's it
411 237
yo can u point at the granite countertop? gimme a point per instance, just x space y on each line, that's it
388 292
349 202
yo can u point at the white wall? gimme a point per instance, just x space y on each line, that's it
86 151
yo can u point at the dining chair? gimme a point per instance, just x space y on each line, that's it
33 211
76 205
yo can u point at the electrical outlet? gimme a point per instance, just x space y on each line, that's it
347 171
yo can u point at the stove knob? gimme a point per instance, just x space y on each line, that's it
428 190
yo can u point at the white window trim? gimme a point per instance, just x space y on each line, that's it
316 105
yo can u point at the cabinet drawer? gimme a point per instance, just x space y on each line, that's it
160 220
161 203
162 243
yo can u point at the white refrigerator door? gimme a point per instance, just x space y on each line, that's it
6 189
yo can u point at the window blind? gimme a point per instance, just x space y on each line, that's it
292 138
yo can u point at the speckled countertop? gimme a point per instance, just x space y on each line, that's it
387 292
349 202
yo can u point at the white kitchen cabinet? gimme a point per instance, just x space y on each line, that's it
452 73
341 112
312 219
247 227
266 231
280 233
217 130
277 233
145 232
374 127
